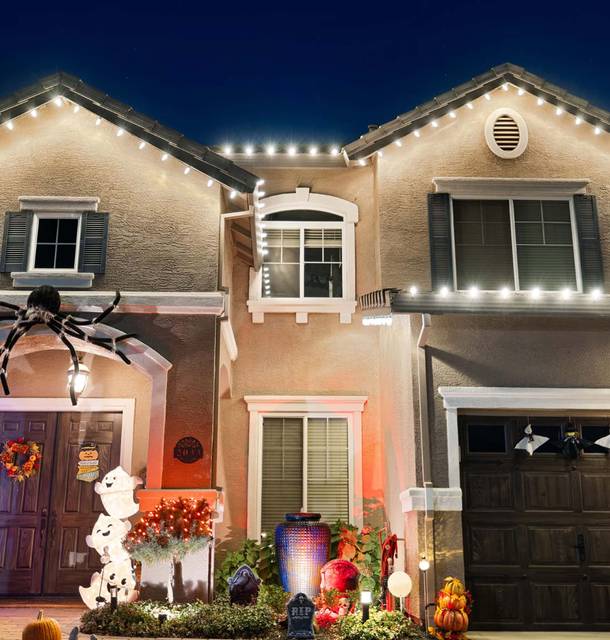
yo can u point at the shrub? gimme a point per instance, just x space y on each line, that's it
381 625
194 620
274 597
260 557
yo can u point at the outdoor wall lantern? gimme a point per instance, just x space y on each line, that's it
82 377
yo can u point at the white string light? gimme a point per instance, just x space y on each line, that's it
210 182
58 101
334 151
34 113
413 291
141 145
98 122
578 120
187 170
9 125
540 102
270 149
120 132
164 156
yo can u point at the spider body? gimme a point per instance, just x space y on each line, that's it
44 307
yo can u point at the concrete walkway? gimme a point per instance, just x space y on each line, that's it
15 615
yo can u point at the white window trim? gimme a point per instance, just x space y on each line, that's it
303 200
34 240
511 198
259 407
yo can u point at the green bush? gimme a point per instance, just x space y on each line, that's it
194 620
274 597
259 556
381 625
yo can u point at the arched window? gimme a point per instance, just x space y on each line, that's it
308 257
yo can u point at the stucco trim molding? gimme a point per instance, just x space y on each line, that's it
74 280
511 187
59 204
303 200
442 499
456 399
350 407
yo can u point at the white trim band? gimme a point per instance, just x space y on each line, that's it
507 187
443 499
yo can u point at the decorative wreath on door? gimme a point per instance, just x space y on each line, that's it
21 459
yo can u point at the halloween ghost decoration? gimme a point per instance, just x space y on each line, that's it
116 493
107 538
603 442
530 442
243 586
117 574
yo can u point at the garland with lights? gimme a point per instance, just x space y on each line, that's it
13 451
172 530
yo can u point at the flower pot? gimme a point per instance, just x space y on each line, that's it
302 545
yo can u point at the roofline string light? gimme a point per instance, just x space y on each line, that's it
506 293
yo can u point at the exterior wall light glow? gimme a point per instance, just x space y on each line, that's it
505 86
292 150
233 194
313 151
334 151
76 108
270 149
470 105
227 149
434 123
474 292
443 292
566 294
558 111
164 157
34 113
10 126
413 291
58 101
452 114
540 102
98 122
81 380
521 91
597 131
398 143
535 293
260 183
380 154
187 170
249 150
596 294
578 120
487 97
504 293
120 132
362 162
416 133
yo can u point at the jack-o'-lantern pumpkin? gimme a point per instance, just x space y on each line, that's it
42 629
88 454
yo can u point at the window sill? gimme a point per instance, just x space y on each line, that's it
60 279
302 308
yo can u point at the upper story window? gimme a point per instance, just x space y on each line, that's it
308 257
60 241
515 243
55 242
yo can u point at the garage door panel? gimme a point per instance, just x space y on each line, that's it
598 546
487 491
495 546
552 545
600 602
499 600
555 603
595 494
547 491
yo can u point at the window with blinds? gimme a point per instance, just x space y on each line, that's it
518 244
323 277
305 466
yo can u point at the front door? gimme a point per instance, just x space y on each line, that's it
44 523
536 528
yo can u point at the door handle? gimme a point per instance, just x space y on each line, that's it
43 525
580 547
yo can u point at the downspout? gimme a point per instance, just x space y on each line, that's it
426 463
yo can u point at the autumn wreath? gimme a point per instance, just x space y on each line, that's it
21 459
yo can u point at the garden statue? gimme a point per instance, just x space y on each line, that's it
116 492
243 586
117 574
389 551
107 538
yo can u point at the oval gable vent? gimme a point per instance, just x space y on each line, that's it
506 133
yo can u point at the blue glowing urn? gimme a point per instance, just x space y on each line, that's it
302 545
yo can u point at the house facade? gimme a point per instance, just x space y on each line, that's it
364 332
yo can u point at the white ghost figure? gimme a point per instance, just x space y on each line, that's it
116 493
115 574
531 442
107 537
603 442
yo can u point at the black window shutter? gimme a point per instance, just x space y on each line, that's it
93 241
585 209
439 223
16 241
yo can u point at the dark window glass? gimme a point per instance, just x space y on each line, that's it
323 280
593 433
486 438
552 432
56 243
281 268
304 216
545 252
483 245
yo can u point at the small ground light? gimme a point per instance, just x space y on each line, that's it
366 598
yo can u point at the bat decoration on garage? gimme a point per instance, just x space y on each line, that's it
44 307
572 444
604 442
530 442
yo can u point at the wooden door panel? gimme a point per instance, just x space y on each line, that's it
600 602
493 490
546 490
495 546
499 601
24 507
552 545
595 494
598 546
556 604
74 504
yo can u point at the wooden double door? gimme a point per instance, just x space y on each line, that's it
536 528
45 519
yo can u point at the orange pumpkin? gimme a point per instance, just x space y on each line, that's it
451 620
453 586
42 629
448 601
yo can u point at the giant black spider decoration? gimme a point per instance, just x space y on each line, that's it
43 307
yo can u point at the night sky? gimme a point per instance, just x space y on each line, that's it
297 72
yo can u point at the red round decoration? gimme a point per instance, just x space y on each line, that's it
341 575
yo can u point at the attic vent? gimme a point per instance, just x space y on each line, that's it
506 133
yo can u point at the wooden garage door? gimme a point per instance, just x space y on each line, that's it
536 528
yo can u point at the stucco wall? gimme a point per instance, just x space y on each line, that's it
557 149
163 229
43 374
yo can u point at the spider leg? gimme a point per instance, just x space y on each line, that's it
8 305
76 332
106 312
11 340
75 362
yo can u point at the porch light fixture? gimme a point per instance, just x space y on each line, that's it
82 378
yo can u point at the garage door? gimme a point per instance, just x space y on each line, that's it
536 528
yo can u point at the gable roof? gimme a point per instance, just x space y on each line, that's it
174 143
423 114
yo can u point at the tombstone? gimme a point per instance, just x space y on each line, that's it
300 617
243 586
